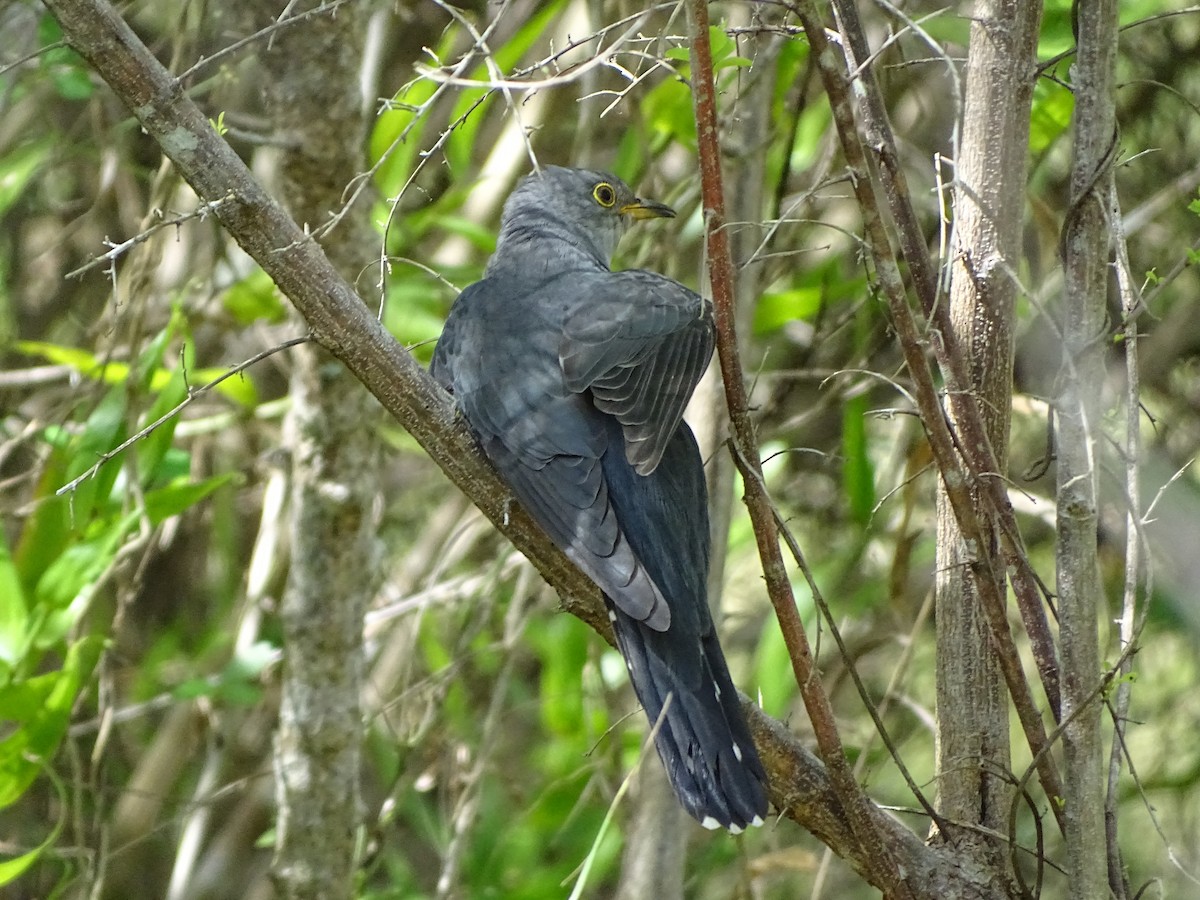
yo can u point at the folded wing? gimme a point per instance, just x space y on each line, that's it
639 346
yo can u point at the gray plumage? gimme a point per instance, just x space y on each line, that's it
574 380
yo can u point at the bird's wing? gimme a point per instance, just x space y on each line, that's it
545 440
639 343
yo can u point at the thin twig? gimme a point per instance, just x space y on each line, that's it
864 695
115 250
193 394
327 8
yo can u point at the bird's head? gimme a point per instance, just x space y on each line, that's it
588 209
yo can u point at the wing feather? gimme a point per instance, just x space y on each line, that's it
639 345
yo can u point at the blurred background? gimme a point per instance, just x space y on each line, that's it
140 612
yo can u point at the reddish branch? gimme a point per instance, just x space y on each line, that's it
720 266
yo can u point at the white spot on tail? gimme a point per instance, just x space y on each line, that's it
757 823
710 823
612 616
735 829
737 751
717 688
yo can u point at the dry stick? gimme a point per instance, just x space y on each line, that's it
884 871
1131 302
973 442
202 212
942 441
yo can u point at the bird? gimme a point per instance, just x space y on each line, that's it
573 379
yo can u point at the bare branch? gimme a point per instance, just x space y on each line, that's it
943 442
883 870
337 317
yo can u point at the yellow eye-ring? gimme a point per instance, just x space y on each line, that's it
605 194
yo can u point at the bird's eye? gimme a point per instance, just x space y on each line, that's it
605 194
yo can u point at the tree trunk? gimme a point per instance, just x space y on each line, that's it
315 104
1085 247
973 761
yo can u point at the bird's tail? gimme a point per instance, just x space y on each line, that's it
701 736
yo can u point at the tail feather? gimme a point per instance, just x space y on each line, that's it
702 738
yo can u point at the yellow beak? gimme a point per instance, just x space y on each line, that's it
647 209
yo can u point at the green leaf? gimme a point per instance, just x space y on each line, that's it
858 476
87 364
17 168
66 68
153 448
238 683
239 389
732 62
29 748
722 45
482 237
150 357
60 593
1051 114
409 316
12 869
1056 35
776 309
102 432
814 124
562 648
948 28
174 499
14 611
82 361
23 700
668 110
254 299
48 530
773 666
396 137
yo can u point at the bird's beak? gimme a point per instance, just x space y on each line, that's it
647 209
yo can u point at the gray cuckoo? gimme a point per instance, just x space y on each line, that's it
574 378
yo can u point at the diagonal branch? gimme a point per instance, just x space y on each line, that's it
970 424
337 317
